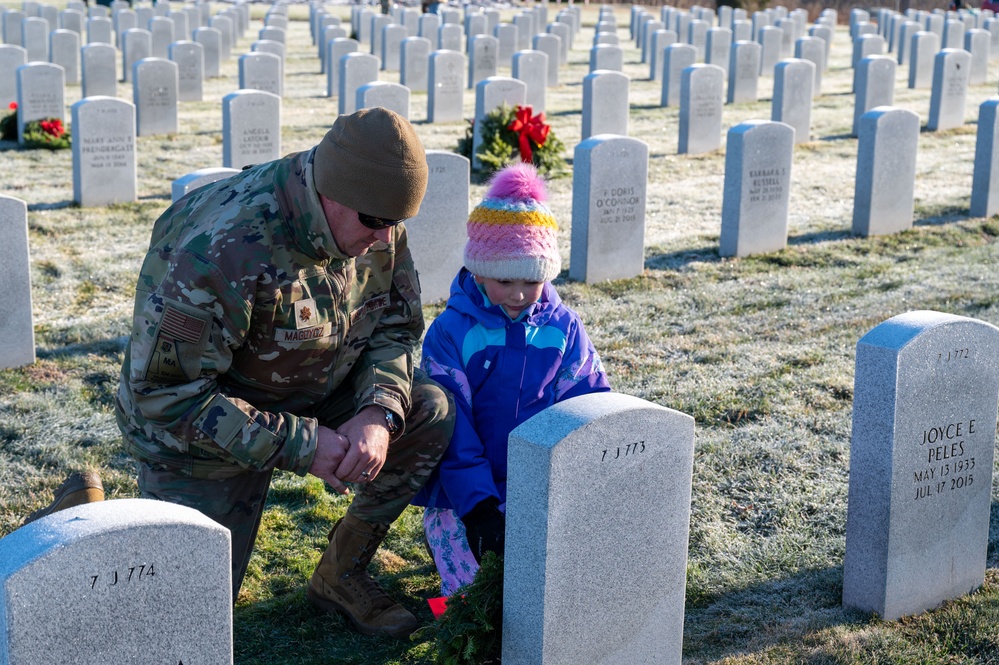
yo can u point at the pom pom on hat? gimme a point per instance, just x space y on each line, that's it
512 234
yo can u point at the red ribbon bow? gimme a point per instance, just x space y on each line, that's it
530 129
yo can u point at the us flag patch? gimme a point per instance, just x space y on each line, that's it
181 327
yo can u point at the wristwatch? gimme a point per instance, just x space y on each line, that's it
392 422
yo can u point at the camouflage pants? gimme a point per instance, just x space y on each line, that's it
237 503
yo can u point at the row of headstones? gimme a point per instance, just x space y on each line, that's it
926 392
251 120
896 30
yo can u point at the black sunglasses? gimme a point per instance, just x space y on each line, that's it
377 223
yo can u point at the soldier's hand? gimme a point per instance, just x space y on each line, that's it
331 448
369 441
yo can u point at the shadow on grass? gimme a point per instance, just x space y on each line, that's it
678 260
105 347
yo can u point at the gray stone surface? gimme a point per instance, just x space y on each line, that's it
483 51
103 151
953 34
950 89
985 183
813 49
211 40
261 71
100 30
251 127
391 45
551 45
437 232
605 103
531 67
977 42
190 59
875 86
594 481
866 45
886 171
924 429
12 19
909 28
35 38
445 94
564 32
274 34
718 47
923 48
490 94
64 50
17 333
154 93
609 183
161 31
189 182
702 96
792 103
697 36
336 49
392 96
606 57
123 581
414 63
744 72
660 39
356 69
136 44
12 56
226 30
428 26
451 38
329 33
757 188
677 58
769 38
40 94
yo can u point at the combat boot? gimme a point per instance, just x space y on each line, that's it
76 490
341 582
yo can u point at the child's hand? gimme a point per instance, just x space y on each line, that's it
485 528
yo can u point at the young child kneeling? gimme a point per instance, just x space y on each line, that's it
506 347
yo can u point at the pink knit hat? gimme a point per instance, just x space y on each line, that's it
512 234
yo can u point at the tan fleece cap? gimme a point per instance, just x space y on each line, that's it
372 161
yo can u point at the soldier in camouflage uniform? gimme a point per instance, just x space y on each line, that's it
275 319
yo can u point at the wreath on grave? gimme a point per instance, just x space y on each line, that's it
49 133
509 133
470 629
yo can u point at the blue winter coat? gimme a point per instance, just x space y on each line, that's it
501 373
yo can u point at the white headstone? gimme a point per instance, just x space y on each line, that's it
103 151
985 183
950 89
388 95
414 63
437 232
136 44
356 69
757 187
886 171
531 67
190 59
211 40
64 50
336 49
875 86
146 581
677 58
261 71
251 127
40 94
701 99
609 183
446 86
792 103
482 58
11 57
744 72
618 469
196 179
924 430
605 103
17 333
154 93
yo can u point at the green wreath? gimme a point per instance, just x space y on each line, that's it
47 133
501 145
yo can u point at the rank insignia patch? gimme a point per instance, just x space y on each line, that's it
305 314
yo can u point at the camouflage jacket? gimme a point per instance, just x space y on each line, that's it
247 314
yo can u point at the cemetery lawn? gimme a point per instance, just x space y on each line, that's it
760 351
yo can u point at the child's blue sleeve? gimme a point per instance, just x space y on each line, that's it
465 474
581 372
